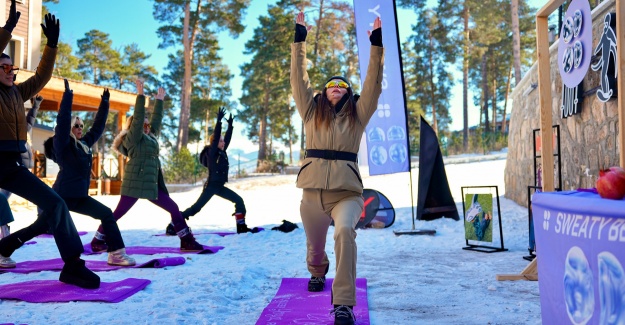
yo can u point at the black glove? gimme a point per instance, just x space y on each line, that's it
376 37
230 119
286 226
300 33
221 113
106 95
14 17
67 90
51 29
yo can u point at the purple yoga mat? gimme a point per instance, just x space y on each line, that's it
96 266
56 291
222 234
294 304
151 250
80 233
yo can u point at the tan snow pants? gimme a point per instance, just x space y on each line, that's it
318 208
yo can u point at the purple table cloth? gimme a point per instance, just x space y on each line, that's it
580 242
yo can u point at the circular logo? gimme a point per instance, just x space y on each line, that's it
575 38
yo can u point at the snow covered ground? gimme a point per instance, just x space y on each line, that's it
411 279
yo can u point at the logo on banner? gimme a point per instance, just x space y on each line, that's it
547 216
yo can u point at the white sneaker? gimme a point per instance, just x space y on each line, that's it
6 262
119 257
4 231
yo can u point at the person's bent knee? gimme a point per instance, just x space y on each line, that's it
343 232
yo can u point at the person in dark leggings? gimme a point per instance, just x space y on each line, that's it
72 152
215 158
27 160
16 178
143 178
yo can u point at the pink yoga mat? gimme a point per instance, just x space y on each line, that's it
56 291
96 266
293 304
151 250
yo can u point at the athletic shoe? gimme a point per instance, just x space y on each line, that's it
343 315
76 273
119 257
169 231
316 284
6 262
98 245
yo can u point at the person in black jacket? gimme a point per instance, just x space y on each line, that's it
16 178
214 155
72 152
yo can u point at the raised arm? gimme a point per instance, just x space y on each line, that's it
5 33
44 70
135 132
96 130
300 82
217 130
157 116
32 114
228 136
372 87
63 121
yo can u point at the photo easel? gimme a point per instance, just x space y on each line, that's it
484 248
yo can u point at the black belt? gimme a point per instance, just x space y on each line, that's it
331 155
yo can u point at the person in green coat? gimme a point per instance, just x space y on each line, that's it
143 177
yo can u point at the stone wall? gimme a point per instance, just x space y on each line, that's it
588 140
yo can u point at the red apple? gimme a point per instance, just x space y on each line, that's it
611 183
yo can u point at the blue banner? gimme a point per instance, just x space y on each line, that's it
387 141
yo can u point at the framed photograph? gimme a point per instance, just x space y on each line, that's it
482 219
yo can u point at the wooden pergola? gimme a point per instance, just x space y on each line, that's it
546 109
87 99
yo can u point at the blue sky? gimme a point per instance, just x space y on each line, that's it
129 22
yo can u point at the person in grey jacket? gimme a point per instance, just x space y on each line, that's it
27 160
334 122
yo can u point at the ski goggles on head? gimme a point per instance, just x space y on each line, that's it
339 83
8 68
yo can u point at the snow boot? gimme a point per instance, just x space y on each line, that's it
98 243
187 241
119 257
76 273
317 284
241 226
343 315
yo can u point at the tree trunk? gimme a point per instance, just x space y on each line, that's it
465 79
188 40
485 95
494 104
516 40
262 130
432 87
504 123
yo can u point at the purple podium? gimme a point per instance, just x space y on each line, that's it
580 241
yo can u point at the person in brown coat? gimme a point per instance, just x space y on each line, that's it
16 178
334 122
